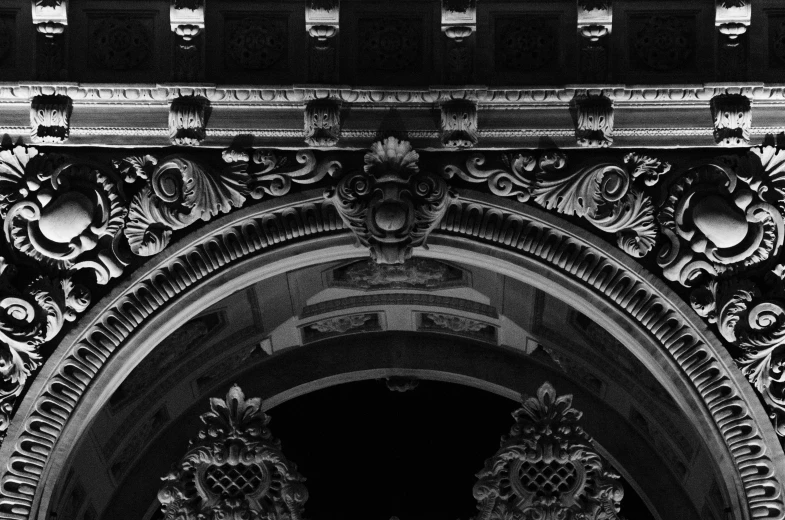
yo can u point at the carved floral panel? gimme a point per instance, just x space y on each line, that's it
662 42
254 42
526 44
776 43
390 44
121 42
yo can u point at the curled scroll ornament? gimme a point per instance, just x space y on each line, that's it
603 194
724 225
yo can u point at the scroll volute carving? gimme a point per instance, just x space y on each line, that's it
547 468
391 206
234 469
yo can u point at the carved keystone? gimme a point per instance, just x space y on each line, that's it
187 120
459 123
732 119
50 119
322 120
594 121
391 206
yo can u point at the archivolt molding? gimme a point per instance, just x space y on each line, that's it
122 212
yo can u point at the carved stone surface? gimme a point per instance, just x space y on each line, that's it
322 122
255 43
50 119
415 273
594 125
120 44
187 120
274 176
459 124
390 44
724 222
508 227
180 191
604 194
55 11
665 43
732 119
234 468
547 467
450 323
391 206
60 212
525 44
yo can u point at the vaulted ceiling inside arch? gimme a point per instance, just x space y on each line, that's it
311 320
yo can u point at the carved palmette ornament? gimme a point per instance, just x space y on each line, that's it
180 191
187 120
60 212
547 468
391 206
234 469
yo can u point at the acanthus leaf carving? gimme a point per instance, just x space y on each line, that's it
547 467
391 206
274 176
50 118
322 122
180 192
60 212
29 318
234 468
602 193
459 123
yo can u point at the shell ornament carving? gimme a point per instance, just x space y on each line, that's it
234 469
180 192
547 468
390 206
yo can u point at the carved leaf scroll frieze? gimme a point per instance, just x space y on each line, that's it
602 193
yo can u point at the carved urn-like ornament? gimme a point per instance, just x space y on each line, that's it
391 206
235 469
547 468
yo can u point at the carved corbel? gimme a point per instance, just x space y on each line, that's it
186 18
50 118
594 120
391 206
322 120
595 22
50 18
459 23
322 19
732 19
732 119
459 123
187 120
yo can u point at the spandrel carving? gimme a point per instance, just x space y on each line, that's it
180 192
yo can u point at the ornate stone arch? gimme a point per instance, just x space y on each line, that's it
517 239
